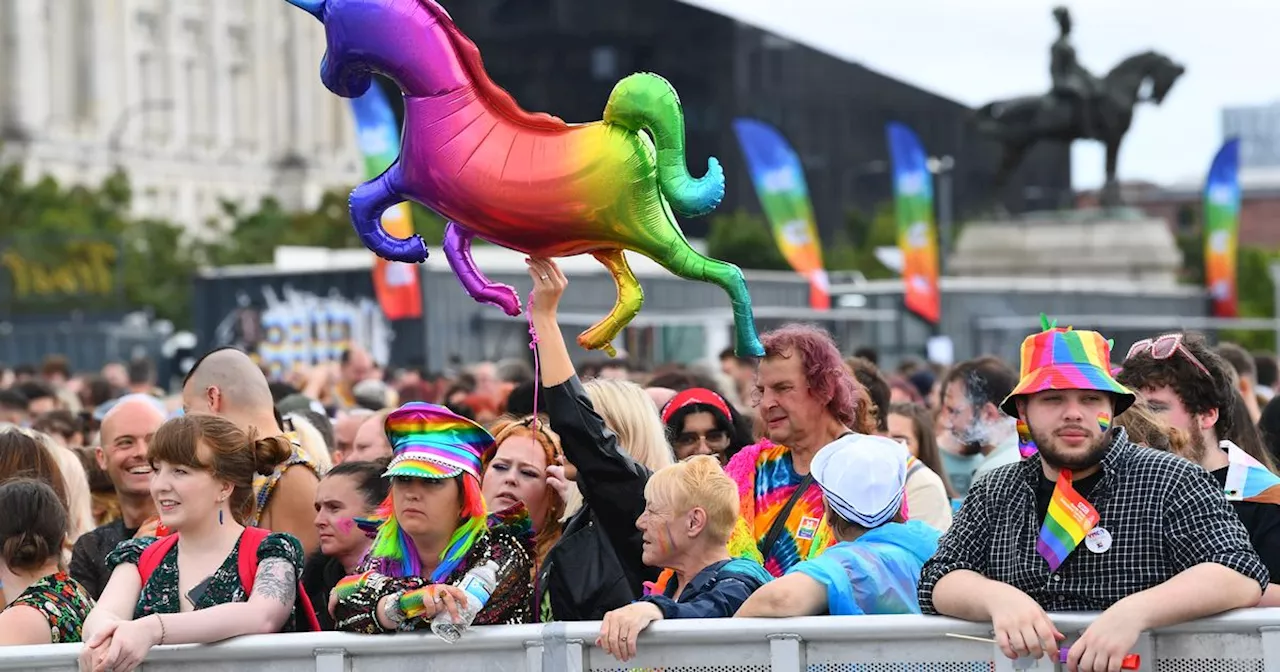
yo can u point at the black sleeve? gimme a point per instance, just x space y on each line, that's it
87 565
611 483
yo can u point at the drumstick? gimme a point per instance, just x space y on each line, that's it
1131 662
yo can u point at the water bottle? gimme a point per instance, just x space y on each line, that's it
478 585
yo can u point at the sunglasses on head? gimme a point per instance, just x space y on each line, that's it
1164 347
538 424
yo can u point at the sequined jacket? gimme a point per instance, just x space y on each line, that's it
510 603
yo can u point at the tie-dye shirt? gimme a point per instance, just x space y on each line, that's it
766 480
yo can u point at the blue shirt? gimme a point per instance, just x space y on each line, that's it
715 592
877 573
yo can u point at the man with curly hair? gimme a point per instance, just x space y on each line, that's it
806 399
1194 389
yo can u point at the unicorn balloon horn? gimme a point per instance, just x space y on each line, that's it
313 7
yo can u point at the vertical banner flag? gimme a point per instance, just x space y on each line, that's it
917 236
1222 228
395 283
779 181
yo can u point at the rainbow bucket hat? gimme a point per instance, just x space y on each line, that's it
1066 359
429 441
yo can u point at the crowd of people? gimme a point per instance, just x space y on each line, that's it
804 483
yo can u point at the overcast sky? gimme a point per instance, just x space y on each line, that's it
975 51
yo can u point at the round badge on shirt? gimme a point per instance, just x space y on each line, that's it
1098 540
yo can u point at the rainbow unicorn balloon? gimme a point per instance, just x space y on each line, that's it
528 182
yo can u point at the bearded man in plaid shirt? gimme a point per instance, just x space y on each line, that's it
1088 521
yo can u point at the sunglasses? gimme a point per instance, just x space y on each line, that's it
1164 347
716 439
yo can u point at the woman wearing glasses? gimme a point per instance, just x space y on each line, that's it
701 422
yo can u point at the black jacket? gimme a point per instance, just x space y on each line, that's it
319 575
595 567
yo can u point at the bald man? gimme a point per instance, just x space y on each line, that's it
127 430
227 383
370 442
344 432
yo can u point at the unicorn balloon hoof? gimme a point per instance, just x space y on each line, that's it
528 182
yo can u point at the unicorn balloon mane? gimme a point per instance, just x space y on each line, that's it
528 182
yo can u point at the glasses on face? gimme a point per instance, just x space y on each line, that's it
716 439
1164 347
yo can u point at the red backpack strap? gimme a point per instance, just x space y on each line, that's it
153 555
250 541
248 564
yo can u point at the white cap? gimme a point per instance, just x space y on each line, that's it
863 477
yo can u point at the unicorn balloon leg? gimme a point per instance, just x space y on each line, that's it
528 182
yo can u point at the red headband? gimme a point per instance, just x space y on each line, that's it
696 395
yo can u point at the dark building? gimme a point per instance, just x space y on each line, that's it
564 57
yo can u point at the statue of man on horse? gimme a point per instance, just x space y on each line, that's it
1079 106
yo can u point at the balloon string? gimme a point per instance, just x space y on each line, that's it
537 366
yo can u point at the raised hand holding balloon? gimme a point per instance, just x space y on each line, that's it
528 182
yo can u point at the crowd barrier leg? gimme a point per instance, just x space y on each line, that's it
1270 648
561 653
331 660
786 653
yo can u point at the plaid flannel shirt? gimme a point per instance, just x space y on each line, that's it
1164 514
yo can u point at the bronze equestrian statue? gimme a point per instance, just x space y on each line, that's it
1080 106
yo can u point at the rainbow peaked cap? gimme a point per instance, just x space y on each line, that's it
1066 359
430 441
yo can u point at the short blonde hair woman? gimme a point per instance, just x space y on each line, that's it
690 511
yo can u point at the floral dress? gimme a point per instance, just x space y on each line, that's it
160 595
62 601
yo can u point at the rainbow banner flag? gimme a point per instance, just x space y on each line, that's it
1069 519
779 180
917 234
1222 229
396 284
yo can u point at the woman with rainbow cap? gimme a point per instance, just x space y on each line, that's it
432 530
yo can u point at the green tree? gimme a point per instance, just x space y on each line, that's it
854 246
76 248
250 237
744 239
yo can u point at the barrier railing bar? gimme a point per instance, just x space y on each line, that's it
565 646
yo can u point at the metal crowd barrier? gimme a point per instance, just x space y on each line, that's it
1243 641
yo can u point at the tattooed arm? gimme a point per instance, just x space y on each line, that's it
274 591
268 608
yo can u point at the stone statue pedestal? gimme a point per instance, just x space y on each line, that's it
1118 243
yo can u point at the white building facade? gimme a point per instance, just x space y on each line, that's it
198 101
